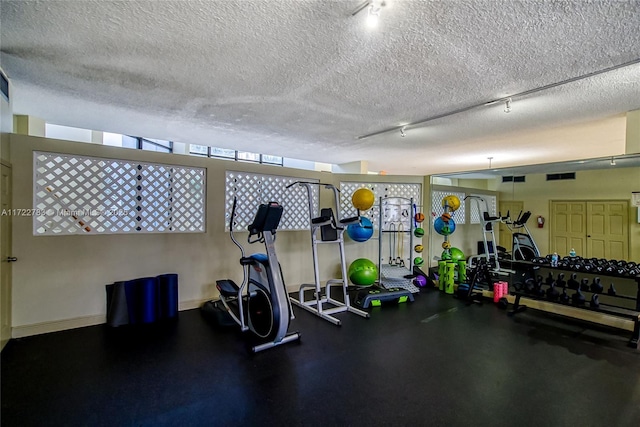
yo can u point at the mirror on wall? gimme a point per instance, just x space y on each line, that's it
582 207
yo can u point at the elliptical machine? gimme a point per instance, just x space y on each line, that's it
524 247
264 309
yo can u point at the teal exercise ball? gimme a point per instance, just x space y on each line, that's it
360 232
363 272
444 228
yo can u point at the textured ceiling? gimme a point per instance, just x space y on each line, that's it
304 79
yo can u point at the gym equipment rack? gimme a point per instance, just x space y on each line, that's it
527 269
389 275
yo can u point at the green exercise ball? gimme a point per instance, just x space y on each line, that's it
363 272
457 254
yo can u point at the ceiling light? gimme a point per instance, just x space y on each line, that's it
507 105
373 11
373 15
402 133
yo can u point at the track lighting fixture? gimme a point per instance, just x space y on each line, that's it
492 102
507 105
402 133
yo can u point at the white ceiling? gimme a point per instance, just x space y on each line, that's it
304 79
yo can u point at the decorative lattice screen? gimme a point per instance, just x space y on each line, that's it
380 189
79 194
459 216
490 206
253 189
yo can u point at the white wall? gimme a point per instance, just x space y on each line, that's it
61 278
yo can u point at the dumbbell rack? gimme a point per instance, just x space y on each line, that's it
530 270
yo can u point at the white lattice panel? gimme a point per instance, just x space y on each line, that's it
402 193
491 207
437 209
79 194
253 189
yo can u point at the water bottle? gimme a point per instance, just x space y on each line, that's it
554 259
572 252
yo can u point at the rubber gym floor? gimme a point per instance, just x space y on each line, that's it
434 362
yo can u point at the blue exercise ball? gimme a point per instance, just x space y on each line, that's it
443 227
360 232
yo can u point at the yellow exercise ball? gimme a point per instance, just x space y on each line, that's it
446 244
418 248
452 202
363 199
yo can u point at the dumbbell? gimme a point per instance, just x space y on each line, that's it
564 298
549 280
595 301
584 285
552 292
538 291
529 286
573 283
577 298
596 286
611 290
561 283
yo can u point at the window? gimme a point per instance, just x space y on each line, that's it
129 142
488 203
250 157
90 195
199 150
155 145
253 189
272 160
387 190
459 216
224 153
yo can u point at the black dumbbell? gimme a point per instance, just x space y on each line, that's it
564 298
577 298
538 291
596 286
611 290
584 285
595 301
573 283
529 286
549 280
552 293
561 283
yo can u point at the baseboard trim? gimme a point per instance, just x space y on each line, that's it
80 322
56 326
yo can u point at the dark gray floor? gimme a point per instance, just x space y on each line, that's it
434 362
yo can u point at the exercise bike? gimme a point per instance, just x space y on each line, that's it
260 304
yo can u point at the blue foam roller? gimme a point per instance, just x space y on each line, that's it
142 300
149 301
168 292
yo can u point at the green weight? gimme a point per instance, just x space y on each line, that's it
442 266
462 271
